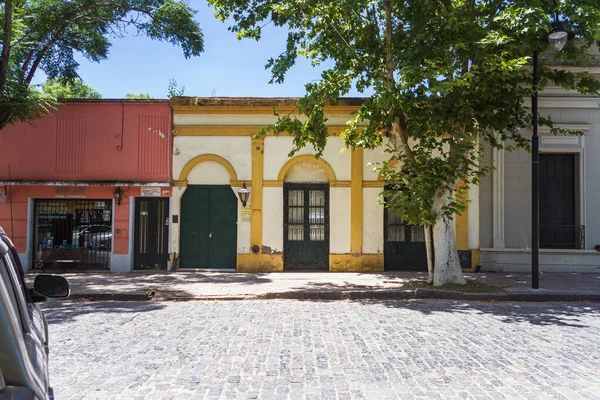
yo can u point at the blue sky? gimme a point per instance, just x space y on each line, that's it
228 67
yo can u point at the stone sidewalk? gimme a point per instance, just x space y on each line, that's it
319 285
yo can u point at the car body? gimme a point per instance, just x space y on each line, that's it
23 327
93 237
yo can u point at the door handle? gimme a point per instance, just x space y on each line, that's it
210 235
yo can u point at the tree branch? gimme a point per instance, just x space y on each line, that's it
397 130
389 45
38 60
8 9
72 17
79 13
362 65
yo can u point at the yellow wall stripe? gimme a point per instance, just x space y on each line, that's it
256 200
356 201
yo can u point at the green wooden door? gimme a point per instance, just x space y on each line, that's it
208 227
404 245
306 227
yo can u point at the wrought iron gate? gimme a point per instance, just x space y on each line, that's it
151 233
404 247
73 234
306 227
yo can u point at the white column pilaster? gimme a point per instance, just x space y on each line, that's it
498 198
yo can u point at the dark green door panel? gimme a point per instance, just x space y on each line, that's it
223 232
208 227
306 227
404 245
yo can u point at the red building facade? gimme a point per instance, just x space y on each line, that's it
89 186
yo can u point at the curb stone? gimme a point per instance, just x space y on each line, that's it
377 294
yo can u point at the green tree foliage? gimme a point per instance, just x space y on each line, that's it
65 89
47 34
446 78
174 90
138 96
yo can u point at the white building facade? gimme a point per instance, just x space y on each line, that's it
569 191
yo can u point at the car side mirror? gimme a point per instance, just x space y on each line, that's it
54 286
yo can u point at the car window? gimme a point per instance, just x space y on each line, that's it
5 276
16 262
18 289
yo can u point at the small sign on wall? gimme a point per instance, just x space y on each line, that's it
246 212
165 191
150 191
72 192
2 197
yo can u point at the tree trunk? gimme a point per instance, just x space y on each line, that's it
430 255
447 266
4 117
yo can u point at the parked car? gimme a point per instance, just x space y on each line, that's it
93 237
23 327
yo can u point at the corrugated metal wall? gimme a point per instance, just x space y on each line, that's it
70 144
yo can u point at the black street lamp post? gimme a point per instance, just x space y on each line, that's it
558 38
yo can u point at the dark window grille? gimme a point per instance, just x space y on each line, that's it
562 236
73 234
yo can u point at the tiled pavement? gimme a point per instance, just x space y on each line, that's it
282 349
229 284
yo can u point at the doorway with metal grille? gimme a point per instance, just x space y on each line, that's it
151 233
306 227
73 234
404 245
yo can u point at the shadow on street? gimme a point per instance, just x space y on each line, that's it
58 312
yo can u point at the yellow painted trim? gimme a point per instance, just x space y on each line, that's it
259 262
270 110
340 184
306 158
179 183
272 183
356 201
373 184
216 130
256 201
356 263
331 184
187 168
461 222
240 183
238 130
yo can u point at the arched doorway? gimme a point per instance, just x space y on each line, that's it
208 226
306 218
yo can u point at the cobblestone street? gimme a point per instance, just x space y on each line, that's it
324 350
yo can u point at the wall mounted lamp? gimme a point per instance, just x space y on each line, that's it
118 193
244 194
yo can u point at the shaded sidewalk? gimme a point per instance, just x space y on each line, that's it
319 285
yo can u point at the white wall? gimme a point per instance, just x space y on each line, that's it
176 195
236 150
209 173
486 203
278 148
592 180
339 220
243 225
306 172
372 221
273 218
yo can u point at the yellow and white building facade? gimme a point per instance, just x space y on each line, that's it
303 213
